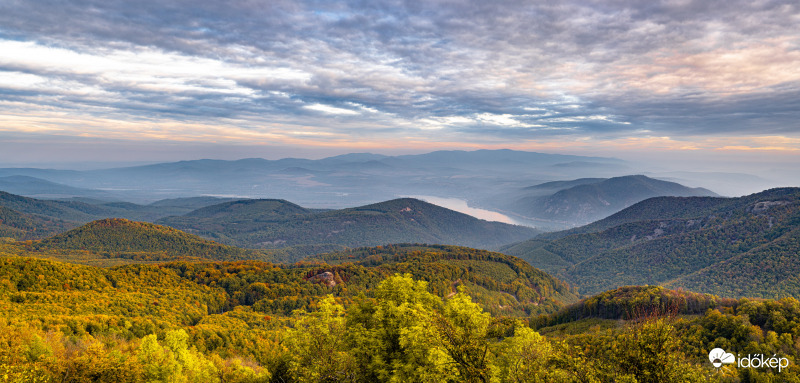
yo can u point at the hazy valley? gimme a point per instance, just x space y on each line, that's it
386 191
228 277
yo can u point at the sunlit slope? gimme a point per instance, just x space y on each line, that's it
503 282
632 302
503 285
81 297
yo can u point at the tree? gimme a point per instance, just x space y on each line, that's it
174 362
524 357
317 345
462 331
391 336
650 352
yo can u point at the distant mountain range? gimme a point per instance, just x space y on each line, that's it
279 223
581 201
550 205
335 182
260 224
77 211
567 190
747 246
40 188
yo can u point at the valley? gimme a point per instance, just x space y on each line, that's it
383 191
244 289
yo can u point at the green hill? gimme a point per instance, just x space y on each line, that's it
251 209
123 238
503 284
699 243
250 321
278 223
19 226
632 302
770 270
69 211
191 202
81 210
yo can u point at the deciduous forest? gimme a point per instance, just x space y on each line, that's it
402 313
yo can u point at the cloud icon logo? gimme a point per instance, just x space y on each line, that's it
718 357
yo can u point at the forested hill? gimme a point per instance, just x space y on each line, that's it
70 211
661 208
251 321
656 208
251 209
501 284
745 246
586 200
509 279
82 210
278 223
633 302
121 237
20 226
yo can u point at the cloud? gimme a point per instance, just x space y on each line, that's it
330 109
435 72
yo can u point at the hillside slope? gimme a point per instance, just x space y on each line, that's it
500 283
82 210
69 211
735 247
767 271
487 275
40 188
278 223
19 226
124 238
581 201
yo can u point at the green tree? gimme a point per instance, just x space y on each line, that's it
391 337
524 357
174 362
317 345
462 331
650 351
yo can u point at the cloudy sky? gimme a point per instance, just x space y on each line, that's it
85 80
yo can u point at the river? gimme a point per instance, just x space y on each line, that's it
461 206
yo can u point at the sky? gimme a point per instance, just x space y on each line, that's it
117 81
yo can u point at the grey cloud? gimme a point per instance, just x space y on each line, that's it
414 60
771 111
